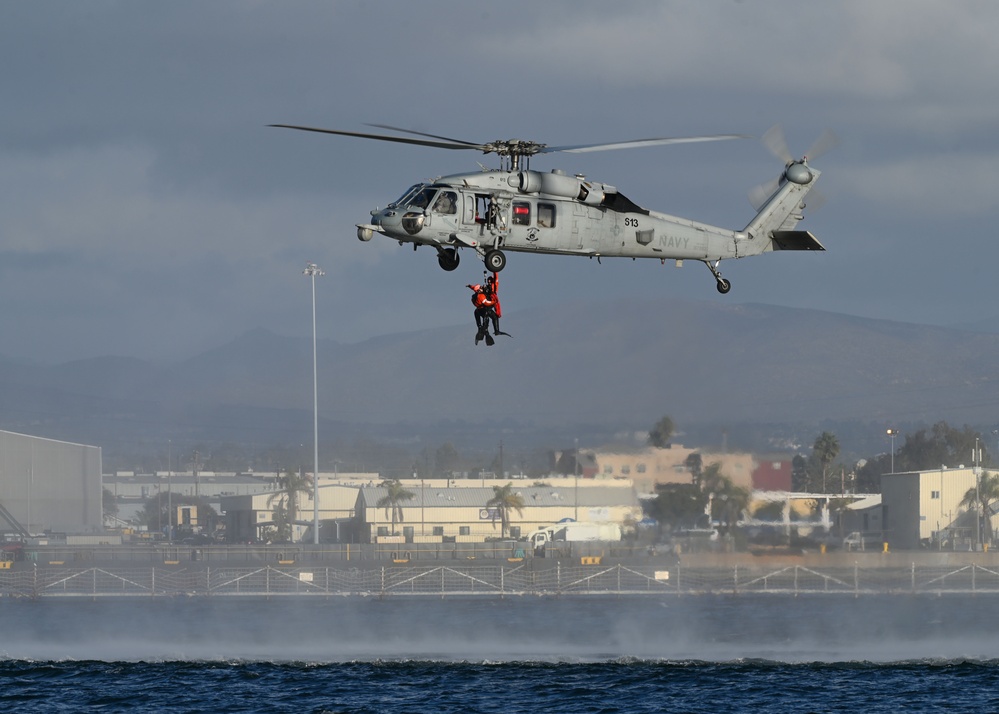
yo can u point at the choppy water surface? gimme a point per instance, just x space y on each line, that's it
710 654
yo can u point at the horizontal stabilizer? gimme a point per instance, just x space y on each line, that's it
795 240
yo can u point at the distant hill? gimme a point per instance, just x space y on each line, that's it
625 363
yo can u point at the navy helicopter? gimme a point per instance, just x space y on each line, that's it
516 209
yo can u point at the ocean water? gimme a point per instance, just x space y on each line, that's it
760 653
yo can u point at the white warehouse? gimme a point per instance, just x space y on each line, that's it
49 486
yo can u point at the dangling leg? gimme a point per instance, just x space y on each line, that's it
481 326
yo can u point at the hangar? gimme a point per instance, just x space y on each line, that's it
49 486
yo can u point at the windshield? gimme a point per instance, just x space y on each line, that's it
409 192
422 198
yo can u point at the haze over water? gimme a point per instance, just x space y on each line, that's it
701 653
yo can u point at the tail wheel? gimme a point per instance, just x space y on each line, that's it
495 260
448 259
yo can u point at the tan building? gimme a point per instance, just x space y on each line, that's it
438 514
440 510
247 516
922 508
648 466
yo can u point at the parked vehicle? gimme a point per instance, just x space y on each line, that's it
574 533
859 541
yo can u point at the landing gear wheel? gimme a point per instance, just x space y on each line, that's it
724 286
495 260
448 259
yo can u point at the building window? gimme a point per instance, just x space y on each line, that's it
521 213
934 494
625 470
464 530
438 530
515 532
383 530
608 469
640 468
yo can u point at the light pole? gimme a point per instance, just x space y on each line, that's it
312 270
575 490
976 459
892 433
169 490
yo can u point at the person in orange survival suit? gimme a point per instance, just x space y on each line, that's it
484 303
491 290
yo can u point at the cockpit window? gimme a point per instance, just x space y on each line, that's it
402 199
422 199
447 202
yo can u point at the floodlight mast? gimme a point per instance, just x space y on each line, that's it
312 270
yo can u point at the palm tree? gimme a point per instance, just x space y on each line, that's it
825 450
980 499
727 500
661 433
504 500
392 501
291 484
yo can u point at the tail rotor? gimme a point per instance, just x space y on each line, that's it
795 170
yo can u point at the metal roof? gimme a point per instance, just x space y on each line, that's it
476 496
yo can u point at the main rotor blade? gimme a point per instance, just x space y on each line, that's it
583 148
471 144
381 137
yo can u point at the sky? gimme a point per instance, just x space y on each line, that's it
147 210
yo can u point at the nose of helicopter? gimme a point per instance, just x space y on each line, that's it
394 221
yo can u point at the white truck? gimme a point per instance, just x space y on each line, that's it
574 533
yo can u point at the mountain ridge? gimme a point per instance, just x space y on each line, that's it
624 362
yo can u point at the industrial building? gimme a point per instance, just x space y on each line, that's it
922 509
460 515
49 486
439 511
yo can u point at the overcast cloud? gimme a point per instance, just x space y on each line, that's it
146 210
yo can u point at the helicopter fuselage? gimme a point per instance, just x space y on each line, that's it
520 210
533 212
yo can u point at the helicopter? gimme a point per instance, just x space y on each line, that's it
516 209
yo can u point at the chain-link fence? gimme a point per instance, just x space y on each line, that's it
487 580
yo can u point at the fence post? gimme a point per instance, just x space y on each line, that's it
736 579
856 580
913 576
